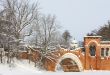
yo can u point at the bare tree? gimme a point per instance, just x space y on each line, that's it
66 39
20 13
46 32
15 16
5 35
103 31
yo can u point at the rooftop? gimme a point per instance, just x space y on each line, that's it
93 36
105 42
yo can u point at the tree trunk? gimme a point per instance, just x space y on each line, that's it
1 57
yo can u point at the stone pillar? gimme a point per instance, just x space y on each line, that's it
88 41
98 57
87 67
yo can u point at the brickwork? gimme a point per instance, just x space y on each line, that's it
96 62
91 59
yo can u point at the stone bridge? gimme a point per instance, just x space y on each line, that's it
65 60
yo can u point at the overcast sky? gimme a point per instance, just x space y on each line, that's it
78 16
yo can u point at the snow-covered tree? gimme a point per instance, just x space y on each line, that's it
15 16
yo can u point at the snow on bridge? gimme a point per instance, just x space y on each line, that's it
55 58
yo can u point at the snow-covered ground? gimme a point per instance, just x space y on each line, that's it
22 67
19 68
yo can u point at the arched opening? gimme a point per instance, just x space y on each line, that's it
69 63
102 52
92 49
107 51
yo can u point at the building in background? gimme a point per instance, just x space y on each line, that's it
73 44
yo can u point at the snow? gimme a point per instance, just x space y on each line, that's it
19 68
93 36
78 48
73 57
22 67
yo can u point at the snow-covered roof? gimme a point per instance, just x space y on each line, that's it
74 41
79 48
105 42
93 36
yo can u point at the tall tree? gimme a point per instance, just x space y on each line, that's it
66 37
103 31
20 13
15 16
46 31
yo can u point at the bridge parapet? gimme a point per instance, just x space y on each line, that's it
56 55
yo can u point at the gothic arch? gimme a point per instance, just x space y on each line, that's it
93 42
71 56
92 47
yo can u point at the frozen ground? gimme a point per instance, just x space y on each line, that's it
24 68
19 68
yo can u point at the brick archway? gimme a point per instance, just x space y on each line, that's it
93 42
71 56
92 58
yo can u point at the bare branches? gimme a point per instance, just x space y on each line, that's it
20 14
46 29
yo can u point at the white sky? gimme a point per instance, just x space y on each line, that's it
78 16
